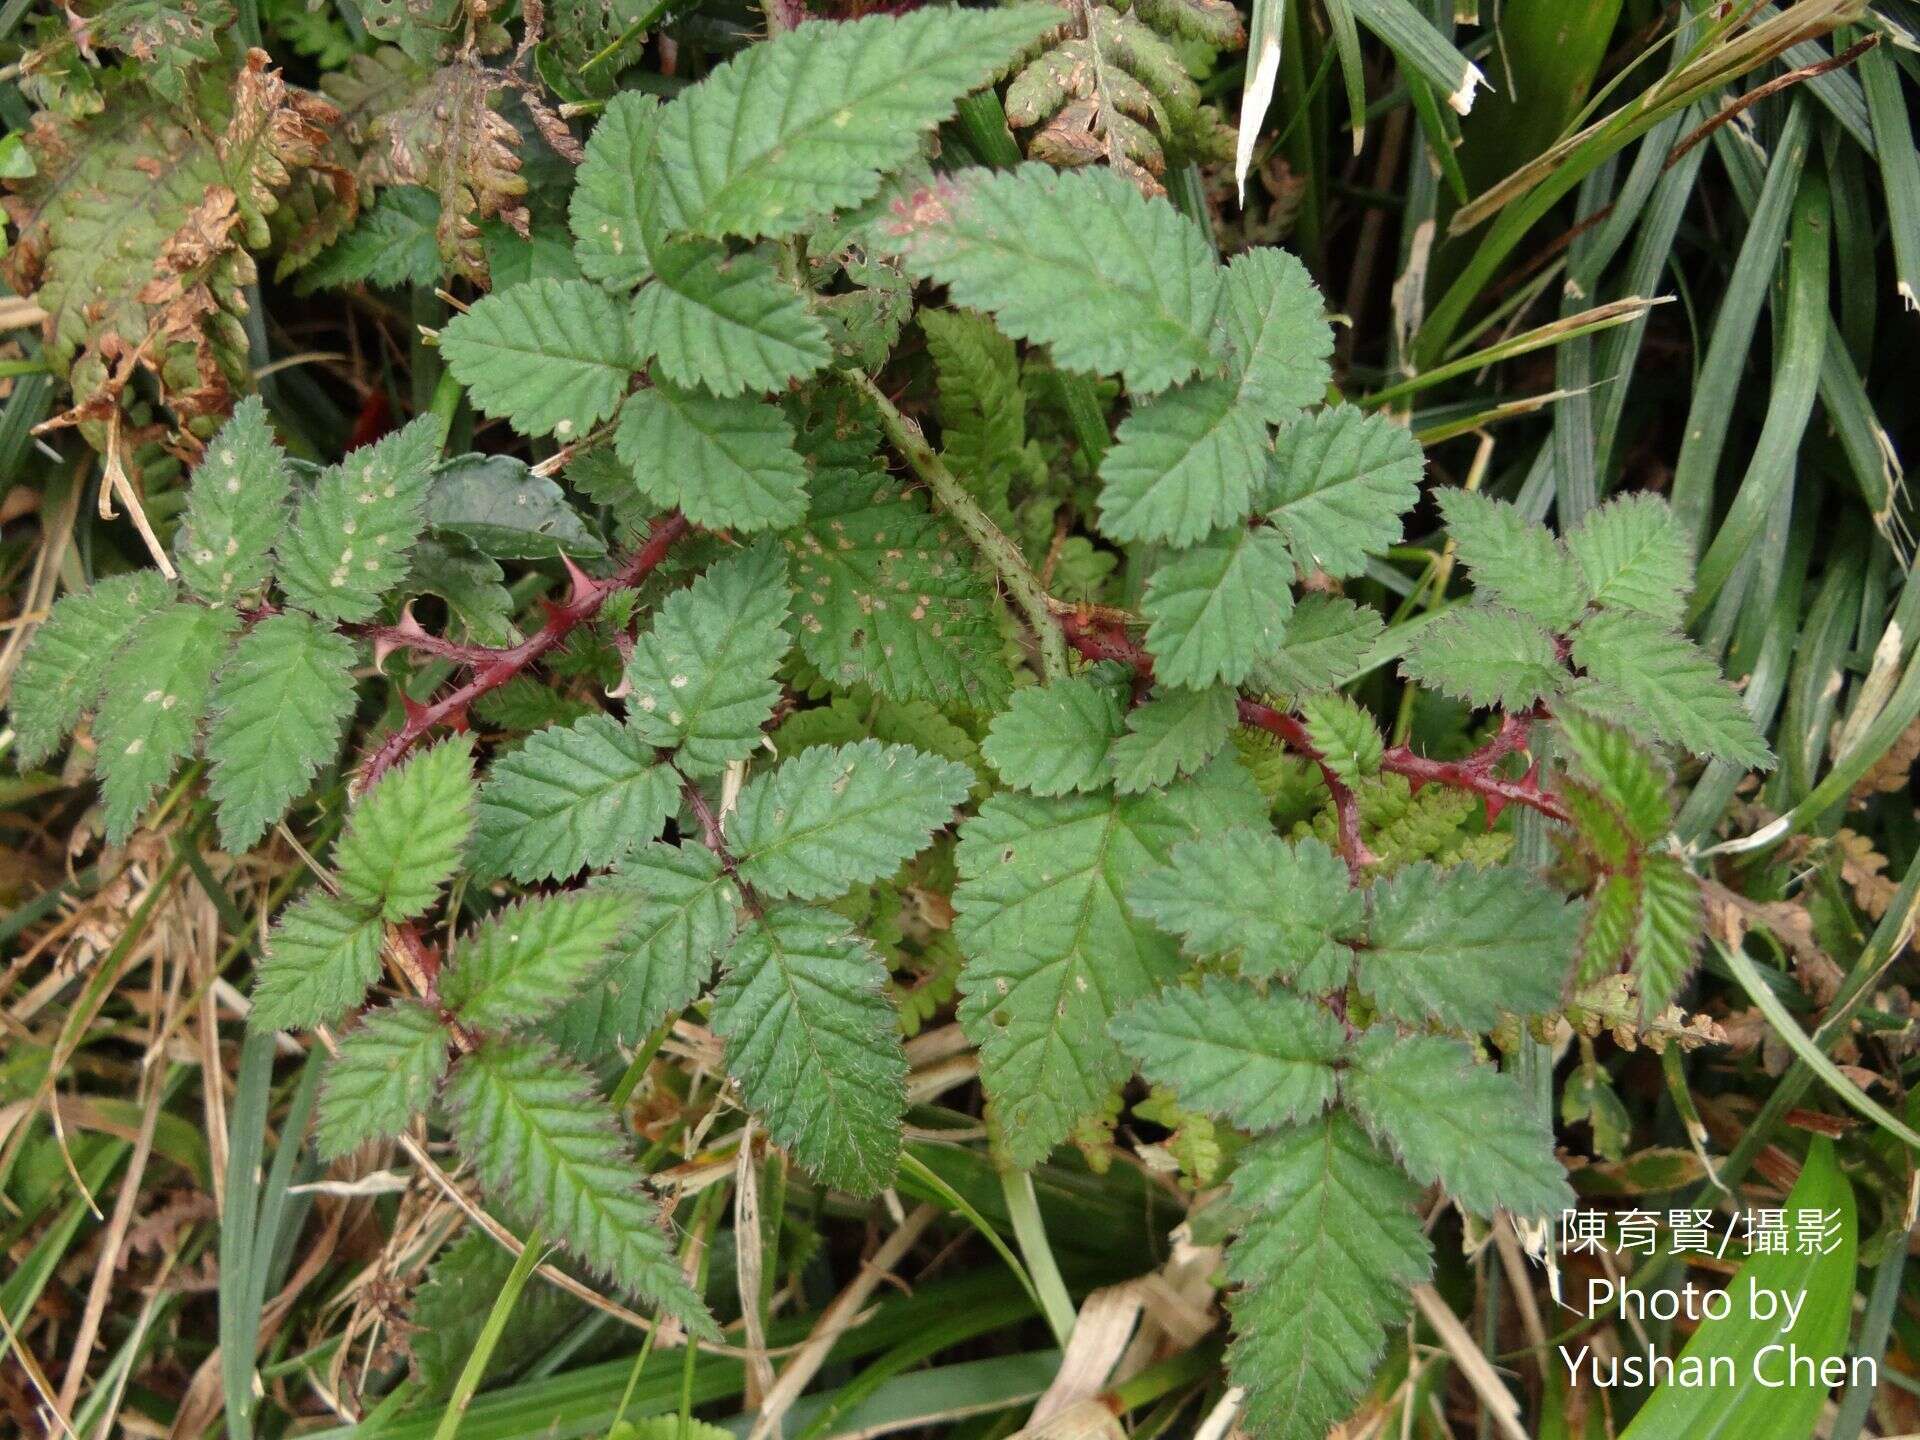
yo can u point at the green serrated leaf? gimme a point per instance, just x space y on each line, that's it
236 508
1325 1263
680 915
815 1044
524 961
1284 909
1513 560
1468 1126
701 678
1056 738
385 1074
983 413
320 960
1183 464
1671 687
155 693
726 463
1486 655
1607 929
1259 1059
538 1135
349 539
888 595
1174 733
1271 314
612 213
1462 945
1215 611
572 798
404 839
395 244
832 818
279 709
1669 931
1626 773
1635 556
1078 261
809 121
1053 950
551 356
1326 642
1340 483
725 323
66 664
1346 736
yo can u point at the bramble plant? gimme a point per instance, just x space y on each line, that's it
789 707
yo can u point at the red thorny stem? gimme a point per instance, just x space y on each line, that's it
1106 640
492 667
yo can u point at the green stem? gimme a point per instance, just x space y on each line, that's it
1001 552
476 1367
446 400
1030 1234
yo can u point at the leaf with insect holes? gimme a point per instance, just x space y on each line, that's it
1339 484
571 798
1331 1247
834 817
347 544
1215 611
66 663
1081 262
236 508
280 707
1053 949
405 837
1468 1126
1463 945
155 693
523 961
1514 561
1056 738
551 356
320 960
1285 909
701 677
889 596
540 1137
815 1044
808 122
1486 655
1634 555
679 917
726 463
1671 689
385 1074
1258 1059
1174 733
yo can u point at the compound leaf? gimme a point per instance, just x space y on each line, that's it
1670 686
1486 655
525 960
1218 609
1514 560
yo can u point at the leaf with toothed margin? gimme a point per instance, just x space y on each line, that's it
405 837
1215 611
726 463
385 1074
